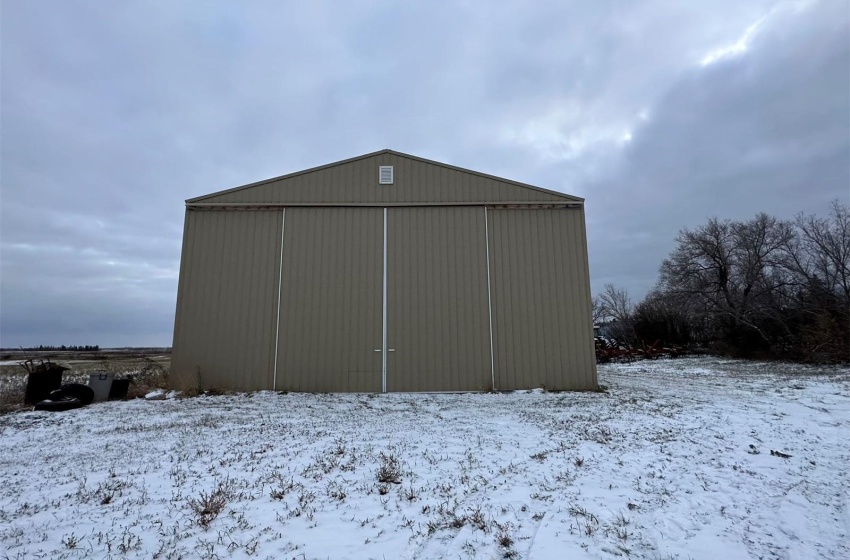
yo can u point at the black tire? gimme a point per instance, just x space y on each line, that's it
82 393
66 403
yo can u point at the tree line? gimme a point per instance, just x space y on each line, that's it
72 348
762 287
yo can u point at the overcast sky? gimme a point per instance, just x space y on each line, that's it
661 114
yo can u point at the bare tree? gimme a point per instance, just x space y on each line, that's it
697 273
731 271
596 310
819 257
822 251
616 306
659 317
763 284
616 303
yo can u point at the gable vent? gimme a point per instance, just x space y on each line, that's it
385 174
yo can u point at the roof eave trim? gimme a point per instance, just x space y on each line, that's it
478 203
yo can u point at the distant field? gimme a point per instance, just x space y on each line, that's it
690 459
117 360
120 361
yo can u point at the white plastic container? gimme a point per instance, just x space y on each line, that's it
100 382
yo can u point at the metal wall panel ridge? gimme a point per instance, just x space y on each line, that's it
438 321
330 309
225 319
542 327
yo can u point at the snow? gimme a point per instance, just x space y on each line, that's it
673 461
161 394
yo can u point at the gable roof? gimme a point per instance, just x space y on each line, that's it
355 181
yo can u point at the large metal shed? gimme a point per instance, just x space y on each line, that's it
384 272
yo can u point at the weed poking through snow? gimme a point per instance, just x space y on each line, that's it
209 505
390 469
506 542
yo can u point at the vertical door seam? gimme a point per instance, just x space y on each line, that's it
279 291
489 302
384 321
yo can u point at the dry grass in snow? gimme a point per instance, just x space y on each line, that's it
675 461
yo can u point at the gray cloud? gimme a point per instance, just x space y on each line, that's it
766 130
113 114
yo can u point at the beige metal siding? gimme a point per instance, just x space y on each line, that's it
315 300
438 322
542 327
357 182
330 311
226 300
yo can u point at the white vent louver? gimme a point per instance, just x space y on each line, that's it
385 174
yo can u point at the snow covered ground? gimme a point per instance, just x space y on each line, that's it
674 461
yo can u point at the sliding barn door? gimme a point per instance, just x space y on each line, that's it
437 314
331 300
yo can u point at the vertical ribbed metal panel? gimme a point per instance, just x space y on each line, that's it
584 295
226 301
438 319
542 327
330 311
